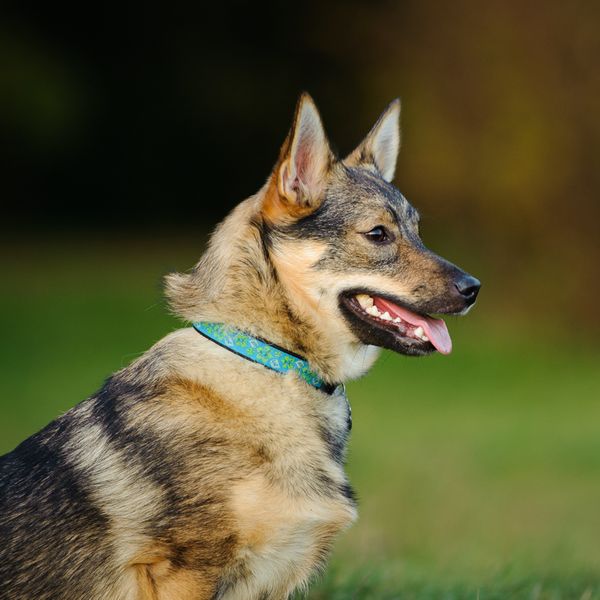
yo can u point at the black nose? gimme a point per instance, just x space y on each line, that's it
468 287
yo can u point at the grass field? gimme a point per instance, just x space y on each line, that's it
478 474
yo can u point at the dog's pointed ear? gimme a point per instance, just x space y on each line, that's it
382 144
300 174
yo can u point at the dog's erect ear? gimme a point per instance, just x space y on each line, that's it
301 171
381 146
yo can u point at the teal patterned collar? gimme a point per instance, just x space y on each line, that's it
261 352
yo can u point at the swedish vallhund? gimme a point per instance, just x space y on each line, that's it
213 466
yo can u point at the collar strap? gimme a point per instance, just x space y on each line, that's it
259 351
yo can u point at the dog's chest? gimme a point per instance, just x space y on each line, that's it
290 511
284 538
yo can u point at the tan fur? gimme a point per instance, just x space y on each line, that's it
158 580
229 294
279 530
266 422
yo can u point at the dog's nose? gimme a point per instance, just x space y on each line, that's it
468 287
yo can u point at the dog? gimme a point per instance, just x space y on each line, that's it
212 467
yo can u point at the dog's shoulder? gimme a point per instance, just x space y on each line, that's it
190 454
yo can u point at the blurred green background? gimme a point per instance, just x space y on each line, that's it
130 134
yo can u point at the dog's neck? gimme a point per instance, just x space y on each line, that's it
236 282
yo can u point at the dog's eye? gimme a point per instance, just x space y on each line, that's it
378 235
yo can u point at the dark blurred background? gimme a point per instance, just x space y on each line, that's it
136 118
130 130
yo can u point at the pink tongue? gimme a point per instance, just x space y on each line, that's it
435 329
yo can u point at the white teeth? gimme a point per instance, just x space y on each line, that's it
367 304
364 300
373 311
421 334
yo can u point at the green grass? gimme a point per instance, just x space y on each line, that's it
478 474
375 586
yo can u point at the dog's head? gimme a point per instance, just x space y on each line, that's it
326 259
345 242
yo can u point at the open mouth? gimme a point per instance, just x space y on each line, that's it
385 323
